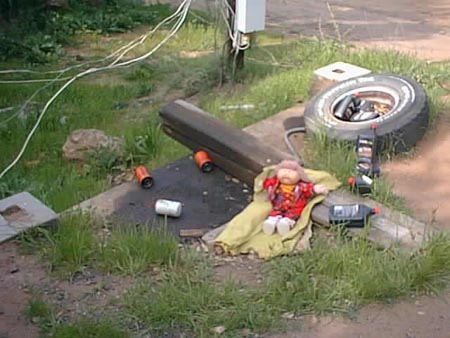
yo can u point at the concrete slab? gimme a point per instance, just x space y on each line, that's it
272 129
21 212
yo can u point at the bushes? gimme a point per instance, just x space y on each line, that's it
37 34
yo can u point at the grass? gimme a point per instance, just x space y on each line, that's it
187 299
338 275
355 273
329 278
80 243
132 250
339 158
39 313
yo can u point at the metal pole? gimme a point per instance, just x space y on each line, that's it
235 56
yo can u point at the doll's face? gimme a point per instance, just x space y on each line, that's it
288 176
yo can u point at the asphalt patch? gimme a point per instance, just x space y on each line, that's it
208 199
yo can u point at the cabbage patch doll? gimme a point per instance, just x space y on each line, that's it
289 190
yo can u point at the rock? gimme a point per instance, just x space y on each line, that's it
288 315
82 143
219 329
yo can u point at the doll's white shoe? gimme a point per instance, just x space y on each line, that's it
270 224
285 225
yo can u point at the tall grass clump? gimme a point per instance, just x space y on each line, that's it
188 299
339 158
353 272
336 157
80 242
39 313
132 250
71 247
87 328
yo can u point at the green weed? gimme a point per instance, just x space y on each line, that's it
147 145
79 242
89 328
190 300
339 158
322 153
38 35
36 308
71 248
353 272
132 250
39 313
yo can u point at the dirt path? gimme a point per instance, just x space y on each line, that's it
421 28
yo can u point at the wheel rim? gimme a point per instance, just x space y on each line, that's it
382 100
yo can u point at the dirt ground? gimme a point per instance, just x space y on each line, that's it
421 28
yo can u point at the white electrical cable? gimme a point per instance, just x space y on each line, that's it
229 7
142 39
22 108
230 31
170 35
186 4
31 81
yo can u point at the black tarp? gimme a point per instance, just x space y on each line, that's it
208 199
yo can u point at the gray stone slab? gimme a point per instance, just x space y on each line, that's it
3 222
22 211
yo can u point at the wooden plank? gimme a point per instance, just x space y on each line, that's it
211 236
244 156
226 140
231 167
193 232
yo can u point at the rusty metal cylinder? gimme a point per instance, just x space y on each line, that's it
143 176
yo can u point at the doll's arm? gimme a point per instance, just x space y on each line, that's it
320 189
269 183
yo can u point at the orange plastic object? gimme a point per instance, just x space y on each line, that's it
203 161
143 176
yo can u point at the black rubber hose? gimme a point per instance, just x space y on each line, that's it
290 146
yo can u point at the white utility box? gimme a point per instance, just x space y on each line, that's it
250 15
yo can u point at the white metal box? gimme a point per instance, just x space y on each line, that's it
250 15
340 71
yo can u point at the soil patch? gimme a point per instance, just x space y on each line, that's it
424 179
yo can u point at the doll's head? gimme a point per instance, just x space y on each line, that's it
290 172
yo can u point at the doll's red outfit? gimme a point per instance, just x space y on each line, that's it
288 200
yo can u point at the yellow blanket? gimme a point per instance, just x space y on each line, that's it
243 233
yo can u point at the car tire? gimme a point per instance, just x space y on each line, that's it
398 130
